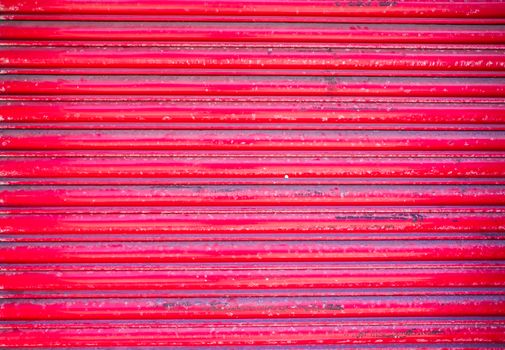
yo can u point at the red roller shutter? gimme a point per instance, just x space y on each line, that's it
260 174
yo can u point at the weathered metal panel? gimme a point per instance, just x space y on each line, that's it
260 174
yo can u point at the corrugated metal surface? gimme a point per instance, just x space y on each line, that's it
252 173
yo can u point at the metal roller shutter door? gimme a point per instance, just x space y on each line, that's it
264 174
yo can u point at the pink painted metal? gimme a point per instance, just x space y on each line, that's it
282 174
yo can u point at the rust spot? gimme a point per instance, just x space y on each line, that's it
337 307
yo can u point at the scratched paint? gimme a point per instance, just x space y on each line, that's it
262 174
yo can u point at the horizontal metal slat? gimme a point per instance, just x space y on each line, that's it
229 58
245 154
225 278
237 222
252 293
195 140
251 113
253 195
196 252
241 307
128 333
253 237
254 72
253 32
253 86
427 8
252 168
